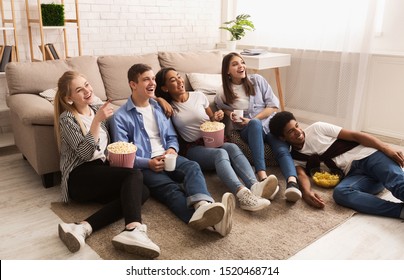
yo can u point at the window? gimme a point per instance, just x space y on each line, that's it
335 25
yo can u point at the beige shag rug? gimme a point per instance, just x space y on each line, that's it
275 233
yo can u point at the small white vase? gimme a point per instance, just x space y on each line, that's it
231 45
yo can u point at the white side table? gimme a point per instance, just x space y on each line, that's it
268 60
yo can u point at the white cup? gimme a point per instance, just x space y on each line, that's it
169 162
239 114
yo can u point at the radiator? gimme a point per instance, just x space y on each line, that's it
320 85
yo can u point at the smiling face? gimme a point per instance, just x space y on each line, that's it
237 69
293 134
81 92
174 84
143 89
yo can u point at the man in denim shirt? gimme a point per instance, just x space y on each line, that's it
142 121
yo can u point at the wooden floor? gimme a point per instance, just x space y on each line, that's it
29 228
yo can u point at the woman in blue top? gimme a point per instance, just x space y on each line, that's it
191 109
255 97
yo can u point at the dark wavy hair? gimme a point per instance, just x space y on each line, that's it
161 81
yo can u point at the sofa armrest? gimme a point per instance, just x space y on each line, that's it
31 109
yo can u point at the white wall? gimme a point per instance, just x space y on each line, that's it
129 26
391 40
383 113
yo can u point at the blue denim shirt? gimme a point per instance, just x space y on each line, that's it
264 98
127 125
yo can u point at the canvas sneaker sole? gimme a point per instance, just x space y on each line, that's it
70 240
226 224
210 217
293 194
271 188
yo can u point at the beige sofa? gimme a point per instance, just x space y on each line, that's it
32 115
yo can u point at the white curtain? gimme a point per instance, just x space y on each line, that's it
330 42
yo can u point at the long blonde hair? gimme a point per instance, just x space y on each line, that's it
61 103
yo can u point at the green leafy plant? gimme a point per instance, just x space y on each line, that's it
53 14
237 27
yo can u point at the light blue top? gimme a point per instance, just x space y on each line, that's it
264 98
127 125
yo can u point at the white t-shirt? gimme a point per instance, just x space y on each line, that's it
242 102
152 130
87 121
320 136
189 115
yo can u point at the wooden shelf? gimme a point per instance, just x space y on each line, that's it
37 23
5 21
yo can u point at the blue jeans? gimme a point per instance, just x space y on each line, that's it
368 177
166 187
251 135
229 162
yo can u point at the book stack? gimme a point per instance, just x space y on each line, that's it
7 54
50 52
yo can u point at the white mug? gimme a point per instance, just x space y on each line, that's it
239 114
169 162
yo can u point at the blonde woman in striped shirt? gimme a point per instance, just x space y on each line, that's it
82 136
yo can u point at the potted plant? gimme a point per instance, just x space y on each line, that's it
237 28
53 14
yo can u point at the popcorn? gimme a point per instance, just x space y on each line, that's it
211 126
121 147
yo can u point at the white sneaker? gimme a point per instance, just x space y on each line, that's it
207 215
225 225
74 235
268 188
251 202
137 242
292 192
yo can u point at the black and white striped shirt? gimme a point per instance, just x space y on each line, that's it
75 147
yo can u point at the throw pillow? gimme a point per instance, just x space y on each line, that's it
49 94
206 83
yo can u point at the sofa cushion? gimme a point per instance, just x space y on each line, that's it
36 76
87 65
192 62
206 83
114 71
